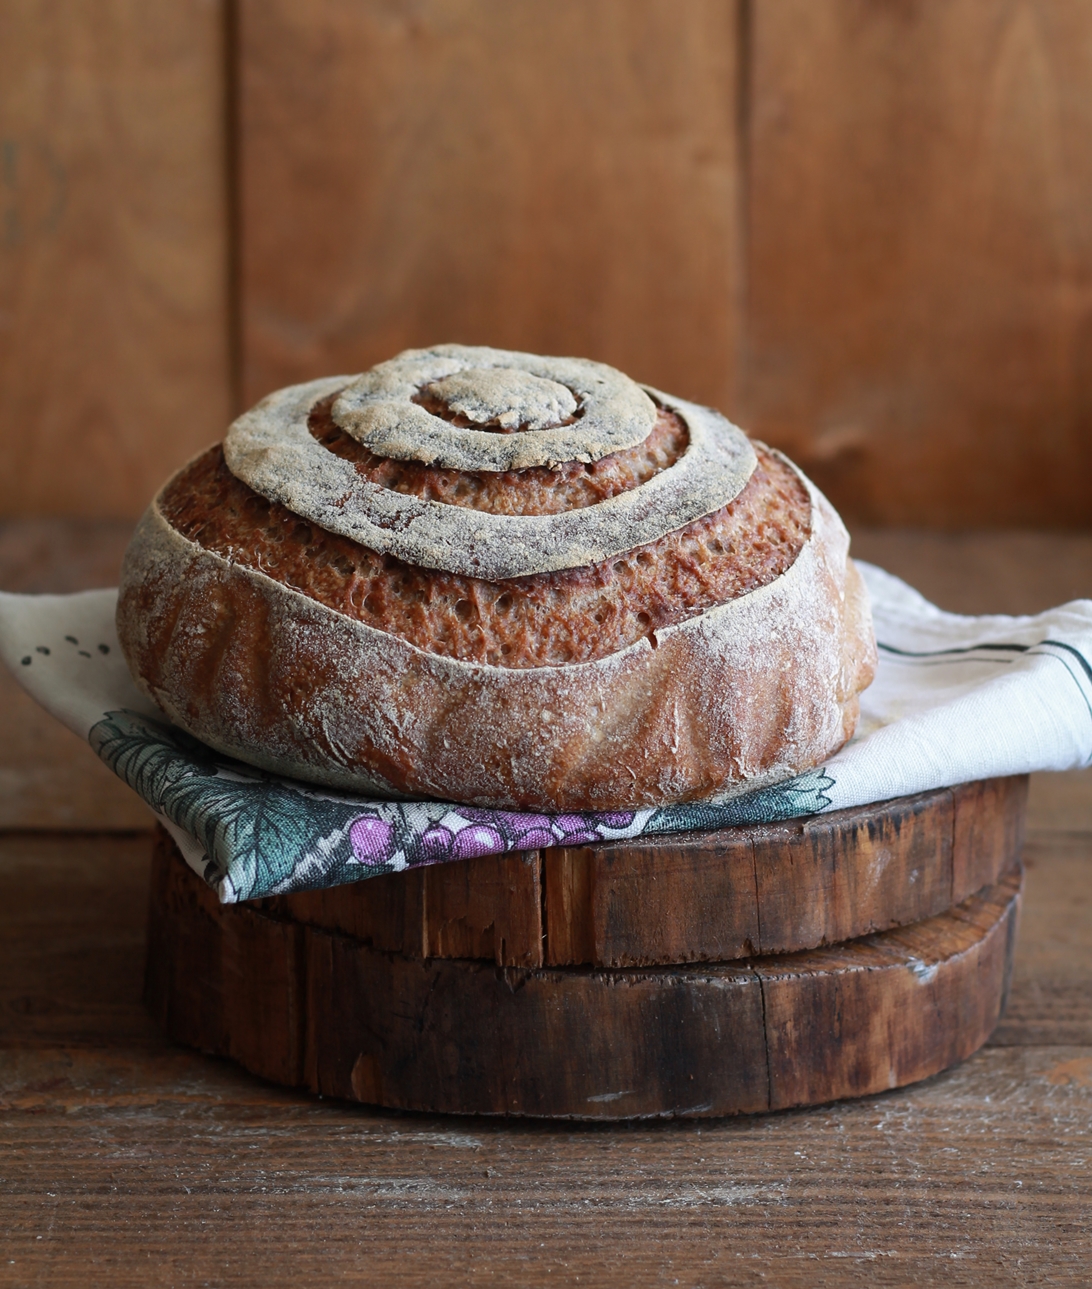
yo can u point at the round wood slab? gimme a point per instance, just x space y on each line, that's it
698 897
321 1010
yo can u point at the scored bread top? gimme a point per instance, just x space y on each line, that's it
547 619
695 514
538 490
483 412
514 410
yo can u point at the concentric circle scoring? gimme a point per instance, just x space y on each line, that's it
379 409
272 450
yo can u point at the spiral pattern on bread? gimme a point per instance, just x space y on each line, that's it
272 450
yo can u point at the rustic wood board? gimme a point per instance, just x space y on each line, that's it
122 1152
700 897
917 222
303 1006
115 355
552 176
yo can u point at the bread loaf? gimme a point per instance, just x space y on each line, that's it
500 579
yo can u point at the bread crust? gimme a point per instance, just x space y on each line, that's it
575 615
383 408
745 694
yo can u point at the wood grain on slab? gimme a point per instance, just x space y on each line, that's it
114 354
699 897
918 239
123 1152
550 176
485 908
304 1006
779 887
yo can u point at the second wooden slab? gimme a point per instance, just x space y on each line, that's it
699 897
323 1011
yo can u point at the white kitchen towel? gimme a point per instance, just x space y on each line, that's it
955 699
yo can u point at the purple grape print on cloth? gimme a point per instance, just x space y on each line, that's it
262 835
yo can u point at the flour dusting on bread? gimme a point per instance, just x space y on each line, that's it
697 633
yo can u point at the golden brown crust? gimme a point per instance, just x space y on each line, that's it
747 694
577 615
272 450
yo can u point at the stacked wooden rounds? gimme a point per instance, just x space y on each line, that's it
745 970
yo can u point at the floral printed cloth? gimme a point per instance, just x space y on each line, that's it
955 699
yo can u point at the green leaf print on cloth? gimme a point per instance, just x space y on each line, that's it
262 835
257 833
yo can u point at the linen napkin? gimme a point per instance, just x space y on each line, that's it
955 699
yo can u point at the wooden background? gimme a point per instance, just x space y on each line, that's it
863 228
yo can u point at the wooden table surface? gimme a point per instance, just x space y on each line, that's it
127 1161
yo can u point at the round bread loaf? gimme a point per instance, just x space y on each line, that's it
500 579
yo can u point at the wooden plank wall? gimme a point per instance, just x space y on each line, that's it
919 322
552 175
905 305
862 227
114 354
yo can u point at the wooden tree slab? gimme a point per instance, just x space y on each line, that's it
699 897
315 1009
